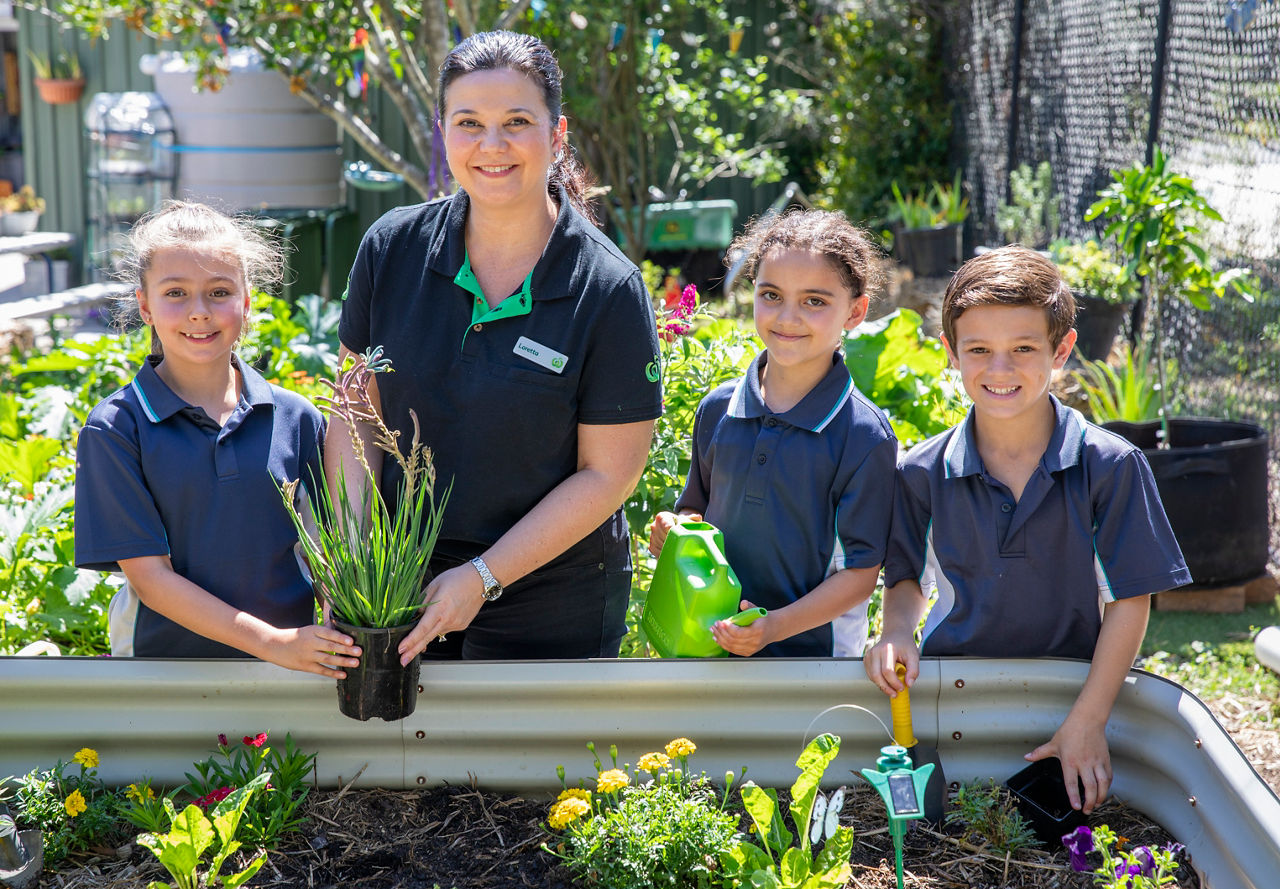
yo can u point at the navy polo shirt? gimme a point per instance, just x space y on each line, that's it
156 476
499 393
1029 578
798 495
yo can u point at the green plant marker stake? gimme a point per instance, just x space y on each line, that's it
902 789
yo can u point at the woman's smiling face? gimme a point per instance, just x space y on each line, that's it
500 137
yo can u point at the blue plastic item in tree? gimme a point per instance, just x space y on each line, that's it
693 587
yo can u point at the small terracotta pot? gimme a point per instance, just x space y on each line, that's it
60 91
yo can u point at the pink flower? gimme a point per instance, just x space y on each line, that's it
213 797
688 301
256 742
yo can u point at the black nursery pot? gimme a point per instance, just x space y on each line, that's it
1212 481
930 252
380 686
1097 323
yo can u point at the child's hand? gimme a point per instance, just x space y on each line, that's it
1084 754
881 663
742 641
663 522
316 649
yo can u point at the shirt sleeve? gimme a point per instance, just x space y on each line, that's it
1135 545
864 509
620 380
115 515
353 326
908 527
697 487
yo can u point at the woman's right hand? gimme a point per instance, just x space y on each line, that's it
453 599
663 522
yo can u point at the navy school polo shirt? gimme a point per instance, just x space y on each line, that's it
798 495
1029 578
499 393
156 476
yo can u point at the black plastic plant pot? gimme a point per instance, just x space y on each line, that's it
1097 323
380 687
1212 481
1042 800
933 252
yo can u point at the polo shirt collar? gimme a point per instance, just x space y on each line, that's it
814 411
448 249
159 402
1065 444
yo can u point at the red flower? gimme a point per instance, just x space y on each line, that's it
222 740
213 797
256 742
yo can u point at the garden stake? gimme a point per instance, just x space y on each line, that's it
904 736
903 790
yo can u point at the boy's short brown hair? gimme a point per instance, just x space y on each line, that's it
1010 276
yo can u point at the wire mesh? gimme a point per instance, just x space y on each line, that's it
1084 102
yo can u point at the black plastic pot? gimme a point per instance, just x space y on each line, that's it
380 686
1097 323
1213 483
933 252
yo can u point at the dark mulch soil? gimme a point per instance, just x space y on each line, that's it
458 838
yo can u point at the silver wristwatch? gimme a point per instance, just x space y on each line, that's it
492 589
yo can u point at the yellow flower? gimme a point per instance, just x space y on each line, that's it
681 747
612 779
566 811
139 794
87 757
75 804
575 793
652 762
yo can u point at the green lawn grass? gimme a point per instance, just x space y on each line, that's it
1213 655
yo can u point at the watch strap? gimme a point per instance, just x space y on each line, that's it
492 589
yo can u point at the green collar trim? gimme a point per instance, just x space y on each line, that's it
518 303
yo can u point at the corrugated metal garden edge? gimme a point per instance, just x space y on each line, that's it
507 725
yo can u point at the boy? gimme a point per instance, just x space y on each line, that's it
1040 533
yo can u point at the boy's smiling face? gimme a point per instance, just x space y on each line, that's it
1005 359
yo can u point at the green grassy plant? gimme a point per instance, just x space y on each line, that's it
193 833
988 816
1130 392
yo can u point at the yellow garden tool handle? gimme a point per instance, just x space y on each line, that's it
900 707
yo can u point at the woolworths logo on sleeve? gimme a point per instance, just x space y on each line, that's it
541 355
652 371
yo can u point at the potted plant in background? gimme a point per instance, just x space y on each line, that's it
371 564
1104 293
1211 473
1031 217
929 241
59 81
21 212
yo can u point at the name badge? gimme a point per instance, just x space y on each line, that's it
541 355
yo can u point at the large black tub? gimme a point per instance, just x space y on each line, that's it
1213 482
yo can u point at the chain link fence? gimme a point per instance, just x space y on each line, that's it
1090 87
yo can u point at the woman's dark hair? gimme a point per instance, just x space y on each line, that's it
527 55
848 248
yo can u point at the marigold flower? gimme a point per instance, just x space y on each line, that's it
612 779
139 794
681 747
257 741
75 803
574 793
566 811
87 757
652 762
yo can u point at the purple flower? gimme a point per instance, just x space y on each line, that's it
1146 859
1079 843
1130 870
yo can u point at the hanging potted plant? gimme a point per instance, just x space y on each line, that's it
1211 473
59 81
370 562
1104 294
21 212
929 240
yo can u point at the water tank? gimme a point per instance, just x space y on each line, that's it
251 145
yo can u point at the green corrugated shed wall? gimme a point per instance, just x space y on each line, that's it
55 149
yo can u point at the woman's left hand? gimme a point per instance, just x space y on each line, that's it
453 599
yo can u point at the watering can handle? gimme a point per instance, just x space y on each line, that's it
748 617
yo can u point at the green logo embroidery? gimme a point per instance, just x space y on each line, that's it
651 371
557 362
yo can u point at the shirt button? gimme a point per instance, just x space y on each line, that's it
761 459
771 422
1006 507
478 328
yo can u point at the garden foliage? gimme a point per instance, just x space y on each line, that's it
69 804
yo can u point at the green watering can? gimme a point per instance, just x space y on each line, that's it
693 587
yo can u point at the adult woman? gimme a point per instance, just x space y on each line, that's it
524 342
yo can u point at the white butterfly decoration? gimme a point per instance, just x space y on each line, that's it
826 814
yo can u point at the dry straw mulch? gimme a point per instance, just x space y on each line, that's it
460 838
